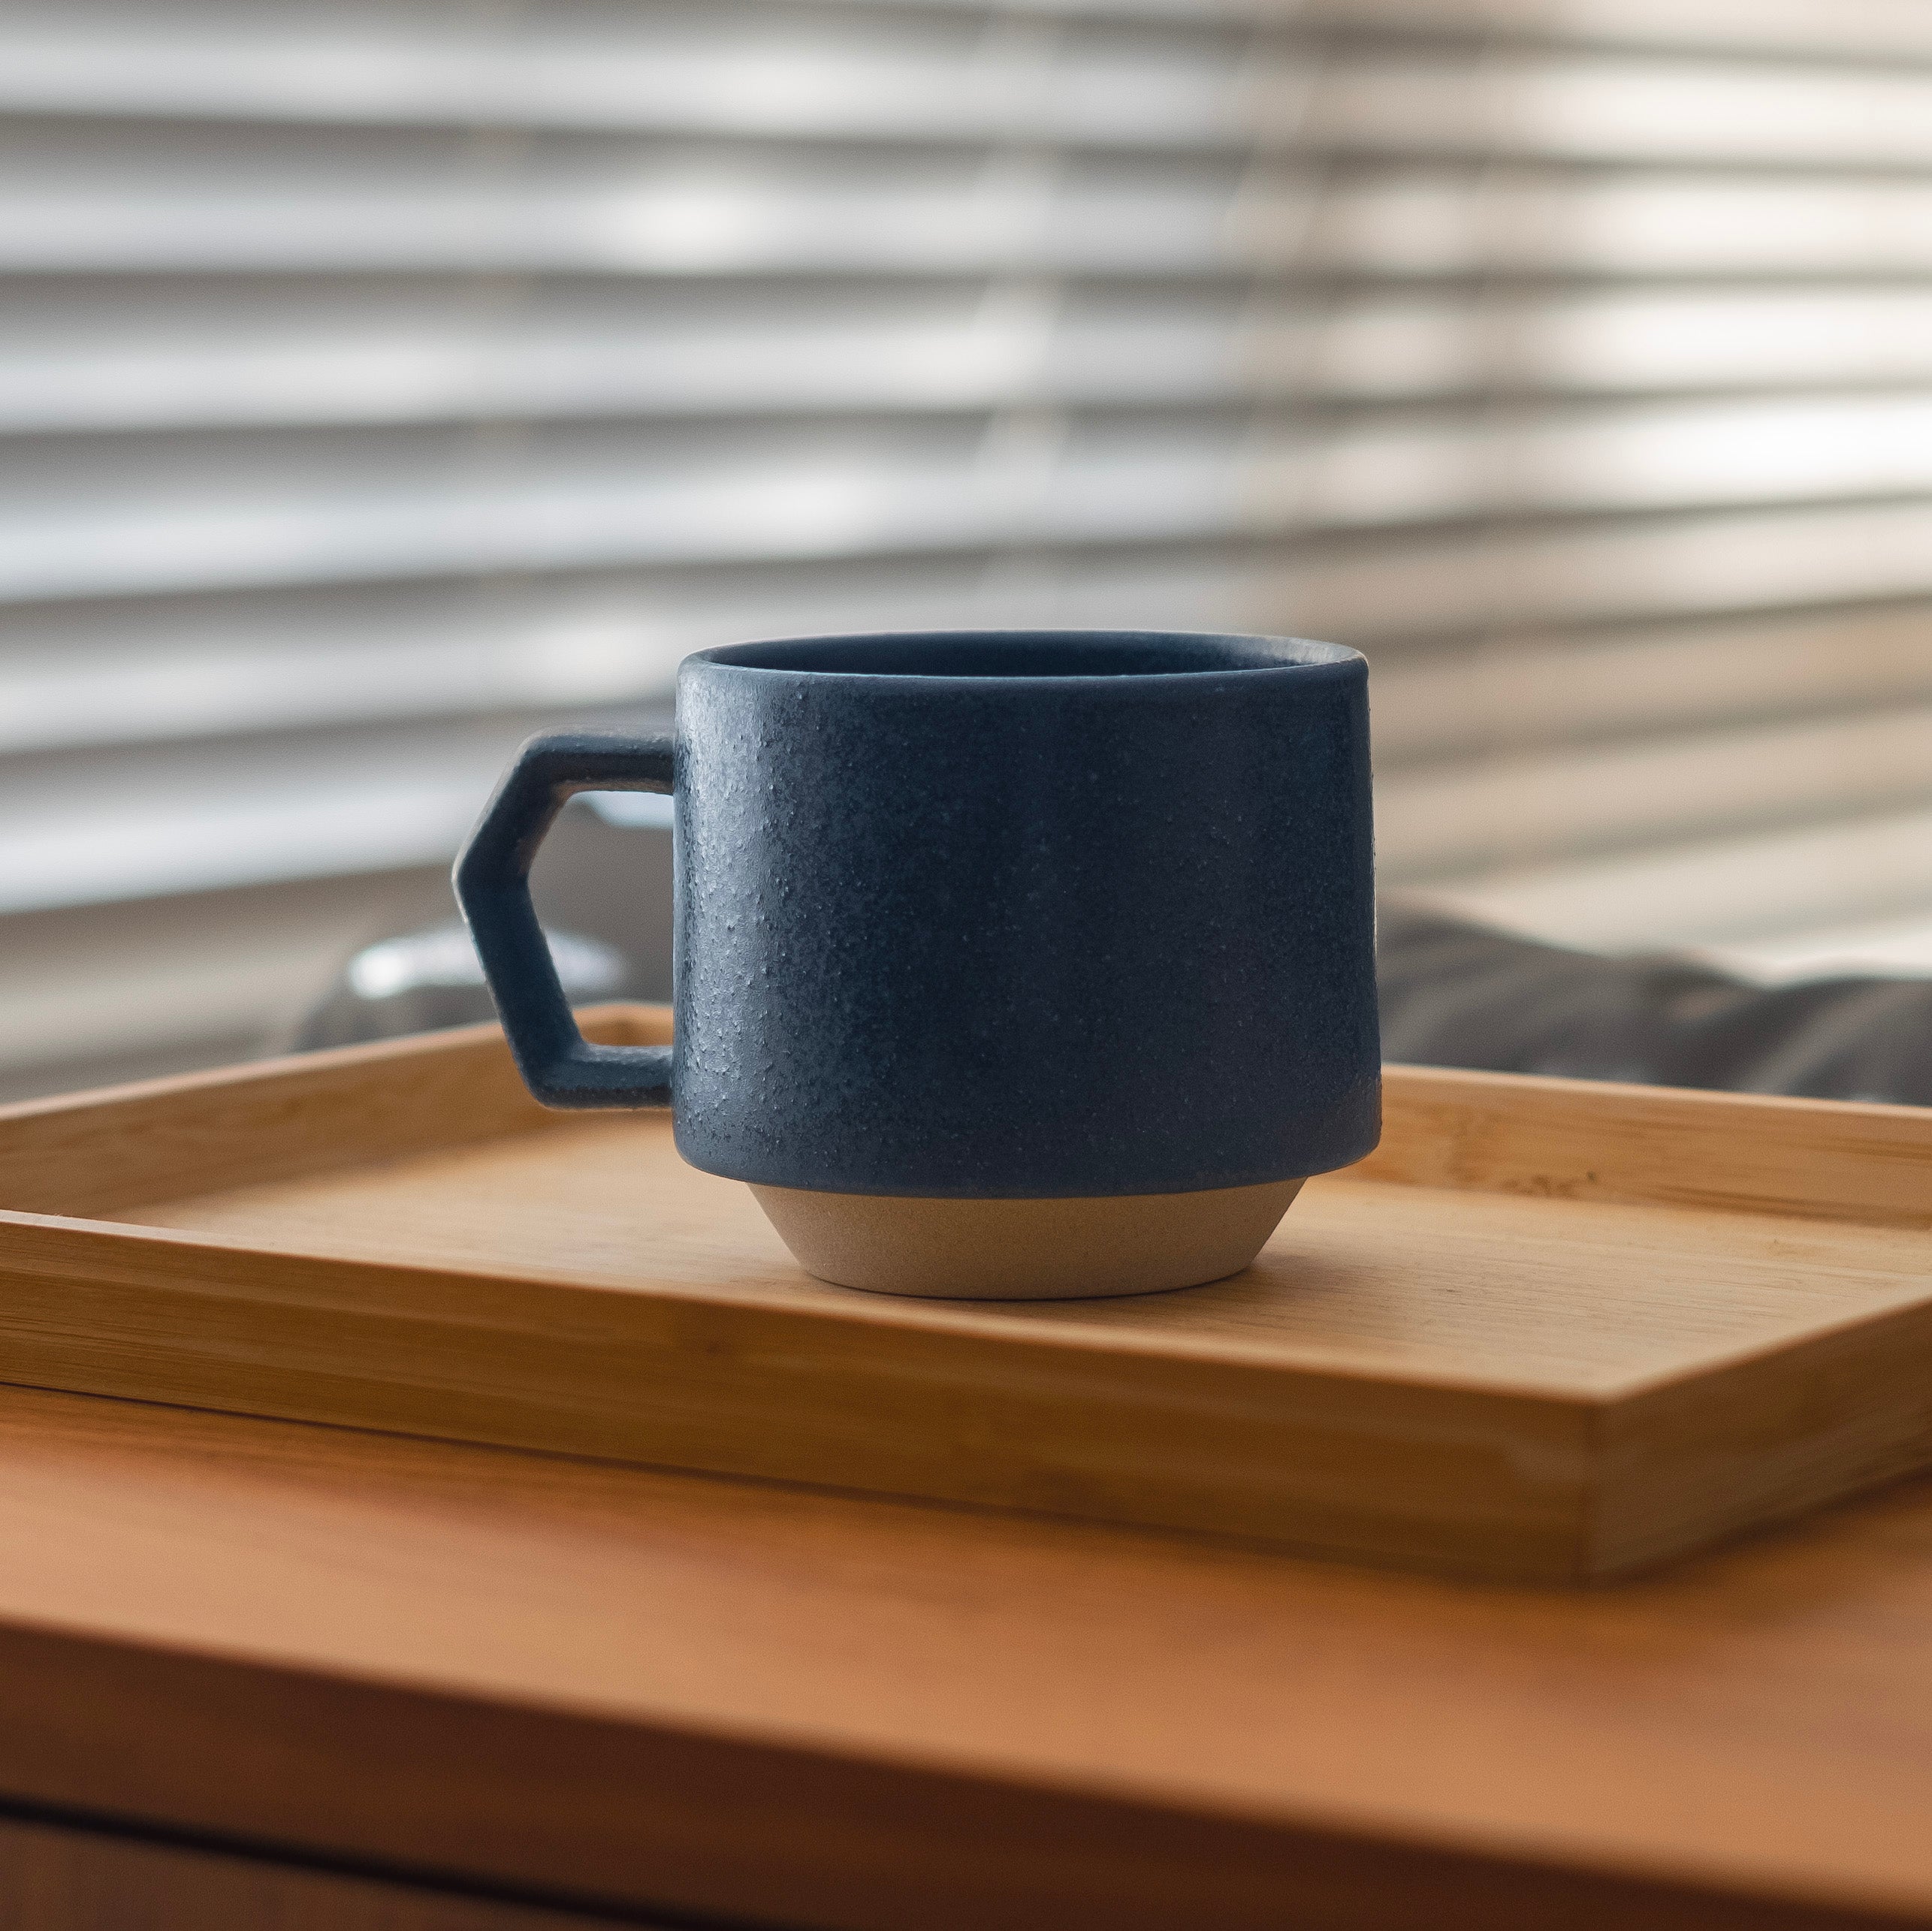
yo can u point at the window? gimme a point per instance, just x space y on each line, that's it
381 382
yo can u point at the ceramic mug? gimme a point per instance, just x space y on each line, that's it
1008 964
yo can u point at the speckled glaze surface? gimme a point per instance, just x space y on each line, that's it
1001 914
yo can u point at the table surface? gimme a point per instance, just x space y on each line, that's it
646 1690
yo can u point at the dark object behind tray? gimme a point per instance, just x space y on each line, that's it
1456 995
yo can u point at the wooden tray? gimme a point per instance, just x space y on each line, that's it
1551 1330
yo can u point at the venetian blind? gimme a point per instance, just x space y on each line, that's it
378 382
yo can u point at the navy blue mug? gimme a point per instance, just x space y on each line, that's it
1022 964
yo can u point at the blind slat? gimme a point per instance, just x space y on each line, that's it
1519 809
1444 595
254 206
1722 892
844 80
273 661
246 359
193 817
1875 31
149 517
1468 708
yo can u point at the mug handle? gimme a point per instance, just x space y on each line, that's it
492 878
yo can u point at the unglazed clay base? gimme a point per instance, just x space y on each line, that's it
1026 1250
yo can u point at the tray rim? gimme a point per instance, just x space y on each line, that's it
1410 1165
1412 1086
1501 1133
1881 1129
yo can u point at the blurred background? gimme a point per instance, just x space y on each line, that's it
380 382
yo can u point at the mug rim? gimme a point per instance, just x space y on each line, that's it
1223 653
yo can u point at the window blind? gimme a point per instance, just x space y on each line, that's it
382 382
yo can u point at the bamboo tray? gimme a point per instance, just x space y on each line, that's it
1550 1330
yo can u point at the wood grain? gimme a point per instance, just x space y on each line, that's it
1575 1139
236 1125
651 1692
1468 1354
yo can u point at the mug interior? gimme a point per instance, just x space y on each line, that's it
1030 653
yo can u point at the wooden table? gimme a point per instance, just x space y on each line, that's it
256 1673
